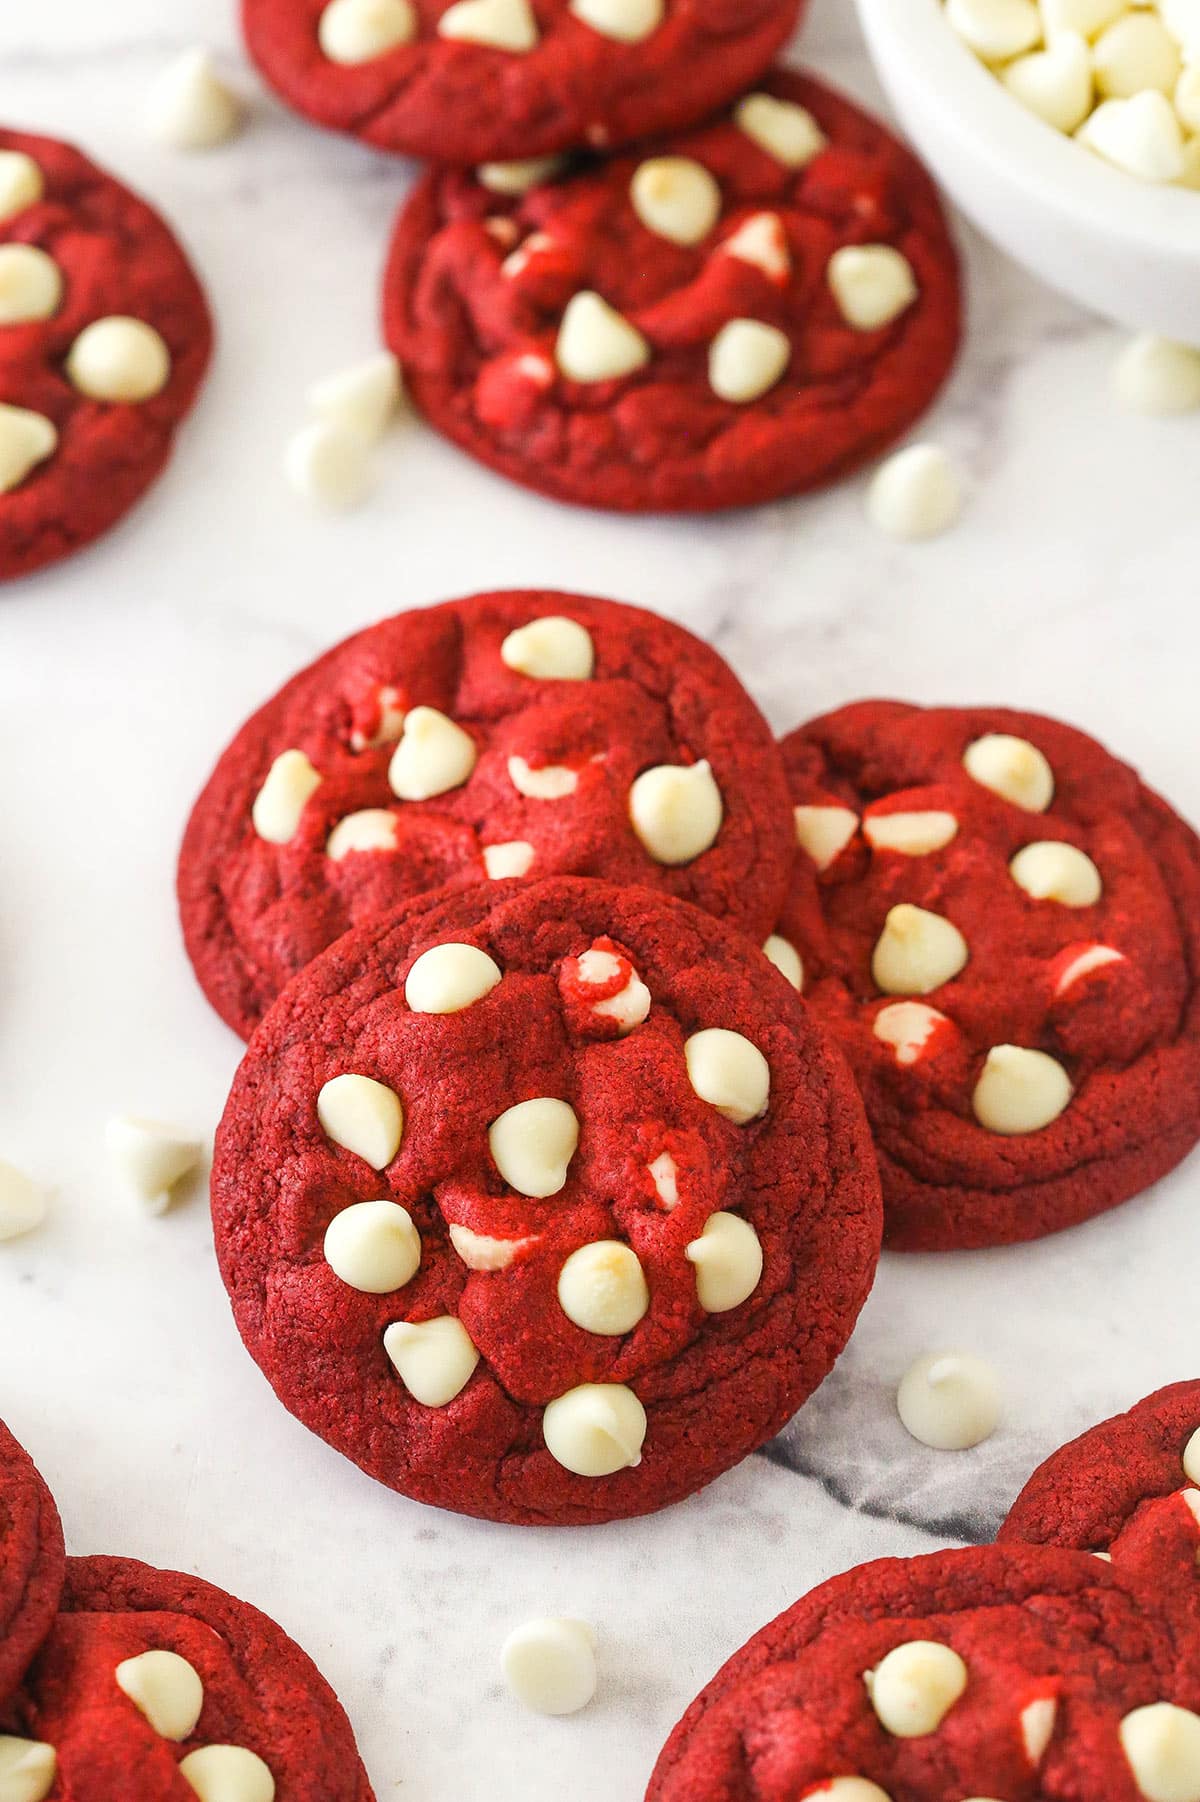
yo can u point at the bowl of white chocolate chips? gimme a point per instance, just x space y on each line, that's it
1068 131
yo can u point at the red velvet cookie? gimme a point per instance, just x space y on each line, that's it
503 735
546 1203
1019 1673
32 1560
104 340
742 313
492 79
156 1686
1001 924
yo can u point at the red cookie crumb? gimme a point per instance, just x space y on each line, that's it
118 259
653 1163
454 101
1106 989
32 1561
478 285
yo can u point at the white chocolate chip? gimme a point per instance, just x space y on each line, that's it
949 1401
228 1774
728 1072
517 178
362 1116
1158 377
479 1251
361 399
907 1026
915 494
1053 871
1187 97
498 24
917 952
552 782
1038 1720
280 802
602 1288
1055 83
872 284
119 359
911 834
1141 135
434 1359
914 1688
390 702
1020 1091
31 284
664 1174
746 359
328 465
374 829
23 1202
21 183
433 756
373 1246
996 29
151 1158
630 1006
762 242
1191 164
447 978
357 31
166 1689
787 132
189 107
503 862
26 439
27 1769
550 1665
851 1789
1191 1458
595 1430
596 343
824 832
550 649
1162 1745
675 197
787 960
1089 958
728 1260
1182 20
532 1145
1085 18
1136 53
628 21
676 811
1013 769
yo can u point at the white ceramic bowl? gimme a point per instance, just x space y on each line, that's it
1124 248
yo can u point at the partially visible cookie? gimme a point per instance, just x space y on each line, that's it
104 340
742 312
1001 924
32 1561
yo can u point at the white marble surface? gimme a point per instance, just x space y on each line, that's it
1070 586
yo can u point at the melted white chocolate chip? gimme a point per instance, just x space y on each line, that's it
664 1174
373 1246
28 1768
728 1260
119 360
434 755
519 177
532 1145
914 1688
362 1116
1013 769
761 241
824 832
357 31
434 1359
907 1026
166 1689
596 1429
627 21
498 24
479 1251
917 952
550 649
26 439
1020 1091
1162 1745
787 132
373 829
280 802
728 1072
676 198
911 834
448 978
630 1006
228 1774
596 343
1038 1720
550 1665
1088 958
786 959
602 1288
676 811
1053 871
550 782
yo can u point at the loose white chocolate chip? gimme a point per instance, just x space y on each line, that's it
1091 957
1141 135
914 1688
915 494
1191 1458
1020 1091
362 1116
434 1359
31 284
550 649
1157 377
728 1259
190 107
676 811
532 1145
785 131
328 465
912 834
119 360
1134 54
26 439
448 978
151 1158
996 29
166 1689
602 1288
503 862
675 197
917 952
357 31
849 1789
1162 1745
595 343
872 284
664 1174
728 1072
498 24
361 399
746 359
433 756
27 1769
23 1202
762 242
374 829
479 1251
519 177
550 1665
824 832
595 1430
907 1026
628 21
1038 1721
787 960
1055 83
949 1401
373 1246
630 1006
1085 18
1182 20
280 802
228 1774
1013 769
553 782
21 183
1053 871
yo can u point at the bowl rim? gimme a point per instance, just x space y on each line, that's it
1020 149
